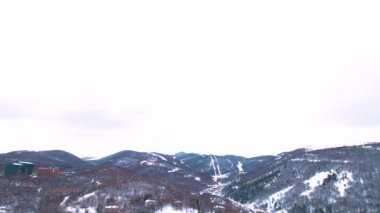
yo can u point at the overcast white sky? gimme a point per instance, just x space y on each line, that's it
224 77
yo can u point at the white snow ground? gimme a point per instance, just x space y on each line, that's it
344 179
64 201
173 170
240 167
215 165
314 182
270 201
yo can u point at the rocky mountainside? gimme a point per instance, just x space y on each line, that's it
342 179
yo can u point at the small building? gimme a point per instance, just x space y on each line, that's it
48 171
111 209
151 203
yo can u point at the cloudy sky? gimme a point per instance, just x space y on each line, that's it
210 76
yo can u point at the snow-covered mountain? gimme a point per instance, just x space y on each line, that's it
343 179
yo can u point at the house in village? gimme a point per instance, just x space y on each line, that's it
111 209
151 203
47 171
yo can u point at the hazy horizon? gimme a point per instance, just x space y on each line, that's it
244 78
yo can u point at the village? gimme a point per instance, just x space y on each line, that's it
24 170
70 191
21 168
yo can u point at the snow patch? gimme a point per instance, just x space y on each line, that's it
230 162
122 162
147 163
320 160
170 209
111 207
270 201
64 201
5 209
367 146
173 170
216 189
223 176
96 182
240 167
308 160
344 178
85 197
277 196
361 181
197 178
212 163
215 165
159 156
314 182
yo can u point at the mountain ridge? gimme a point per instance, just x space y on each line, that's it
337 179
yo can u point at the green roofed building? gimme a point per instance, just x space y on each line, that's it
12 169
19 168
26 168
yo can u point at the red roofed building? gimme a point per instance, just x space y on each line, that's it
47 171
